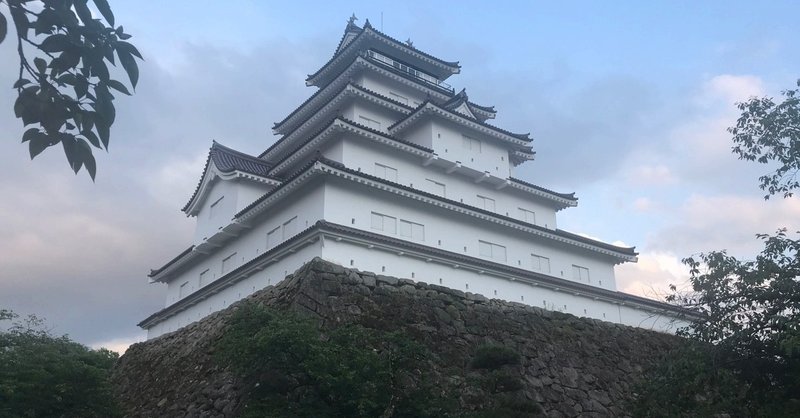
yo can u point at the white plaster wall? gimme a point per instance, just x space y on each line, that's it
389 263
386 87
207 225
361 154
306 206
352 204
237 193
248 192
420 134
449 144
270 276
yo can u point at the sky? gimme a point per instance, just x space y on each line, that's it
628 104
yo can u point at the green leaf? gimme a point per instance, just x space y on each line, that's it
91 137
55 43
87 158
30 134
116 85
73 153
39 143
103 131
105 10
130 66
40 64
129 48
3 27
21 82
83 10
20 21
45 22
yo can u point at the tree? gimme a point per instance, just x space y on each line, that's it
46 376
744 355
64 85
769 132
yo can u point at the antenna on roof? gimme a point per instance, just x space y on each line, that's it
381 21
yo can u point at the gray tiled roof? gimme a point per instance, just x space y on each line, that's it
228 160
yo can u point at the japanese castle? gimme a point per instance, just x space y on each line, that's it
386 168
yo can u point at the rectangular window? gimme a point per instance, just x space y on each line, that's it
289 228
492 250
370 123
412 230
273 237
227 263
539 263
387 224
385 172
204 276
580 274
486 203
399 98
436 187
527 216
215 207
183 290
471 144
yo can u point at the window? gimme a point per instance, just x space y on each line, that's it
289 228
204 276
491 250
471 144
385 172
539 263
436 187
387 224
183 290
215 207
412 230
486 203
227 263
527 216
370 123
399 98
580 274
273 237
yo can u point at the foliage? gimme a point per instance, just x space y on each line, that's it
295 371
490 356
748 359
769 132
46 376
691 382
64 86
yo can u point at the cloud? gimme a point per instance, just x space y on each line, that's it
77 252
652 275
705 223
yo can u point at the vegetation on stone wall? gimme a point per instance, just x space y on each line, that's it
46 376
295 370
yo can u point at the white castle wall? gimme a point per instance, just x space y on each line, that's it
351 205
468 280
271 275
305 208
361 154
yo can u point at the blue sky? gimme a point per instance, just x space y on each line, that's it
627 101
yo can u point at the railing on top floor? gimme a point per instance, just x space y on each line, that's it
425 78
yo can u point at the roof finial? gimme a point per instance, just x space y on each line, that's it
409 43
352 20
367 24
